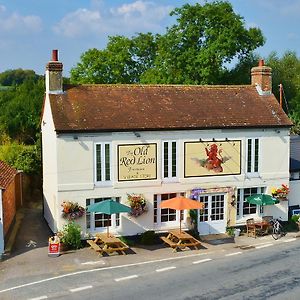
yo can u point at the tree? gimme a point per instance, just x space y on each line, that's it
20 110
123 61
193 51
17 77
286 70
241 72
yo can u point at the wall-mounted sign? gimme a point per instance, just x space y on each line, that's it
212 158
137 162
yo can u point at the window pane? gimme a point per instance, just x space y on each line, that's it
88 215
107 162
166 160
98 163
155 209
256 155
173 159
249 156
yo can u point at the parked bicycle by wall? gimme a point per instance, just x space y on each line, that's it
277 231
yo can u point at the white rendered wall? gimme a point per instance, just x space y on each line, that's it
49 157
75 173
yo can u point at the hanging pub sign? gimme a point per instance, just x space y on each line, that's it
212 158
137 162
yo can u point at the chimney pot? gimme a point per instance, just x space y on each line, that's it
261 77
54 79
55 55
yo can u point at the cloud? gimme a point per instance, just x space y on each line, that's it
127 18
79 22
141 13
16 23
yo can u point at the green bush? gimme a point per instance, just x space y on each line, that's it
295 218
21 157
70 235
230 231
148 237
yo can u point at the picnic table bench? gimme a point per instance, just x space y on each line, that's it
177 239
111 243
94 246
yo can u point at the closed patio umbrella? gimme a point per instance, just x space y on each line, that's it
108 207
262 199
181 203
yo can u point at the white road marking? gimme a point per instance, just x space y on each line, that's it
98 270
39 298
290 240
126 278
165 269
264 246
93 263
82 288
234 253
201 261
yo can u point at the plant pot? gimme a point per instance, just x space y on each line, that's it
298 223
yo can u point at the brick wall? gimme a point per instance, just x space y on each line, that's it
9 206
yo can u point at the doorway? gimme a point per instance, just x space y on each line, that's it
211 220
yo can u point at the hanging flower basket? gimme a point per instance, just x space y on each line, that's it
137 203
71 210
281 193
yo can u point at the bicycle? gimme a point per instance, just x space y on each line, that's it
277 231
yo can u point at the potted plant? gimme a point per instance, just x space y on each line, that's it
137 202
281 193
296 219
71 210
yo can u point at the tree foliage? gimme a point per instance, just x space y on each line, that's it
123 61
192 51
17 77
22 157
20 110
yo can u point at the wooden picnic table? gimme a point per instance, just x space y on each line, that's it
177 239
107 244
262 227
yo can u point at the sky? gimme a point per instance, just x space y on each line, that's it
30 29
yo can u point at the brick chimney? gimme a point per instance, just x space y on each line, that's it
54 78
261 77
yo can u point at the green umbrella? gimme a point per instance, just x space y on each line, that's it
108 207
262 199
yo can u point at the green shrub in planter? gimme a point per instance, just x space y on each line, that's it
295 218
148 237
70 235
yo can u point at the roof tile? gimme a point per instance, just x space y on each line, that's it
7 174
163 107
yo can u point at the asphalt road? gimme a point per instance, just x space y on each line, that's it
263 273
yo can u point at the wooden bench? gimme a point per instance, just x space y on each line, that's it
111 244
94 246
190 243
169 242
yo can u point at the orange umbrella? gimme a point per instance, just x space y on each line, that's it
181 203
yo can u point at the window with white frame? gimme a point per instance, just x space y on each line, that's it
99 221
165 215
244 208
252 155
103 162
169 160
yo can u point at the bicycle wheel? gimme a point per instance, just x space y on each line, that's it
276 233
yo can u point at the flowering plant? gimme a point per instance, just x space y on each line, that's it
137 204
72 210
281 192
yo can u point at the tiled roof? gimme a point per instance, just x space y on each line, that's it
159 107
7 174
